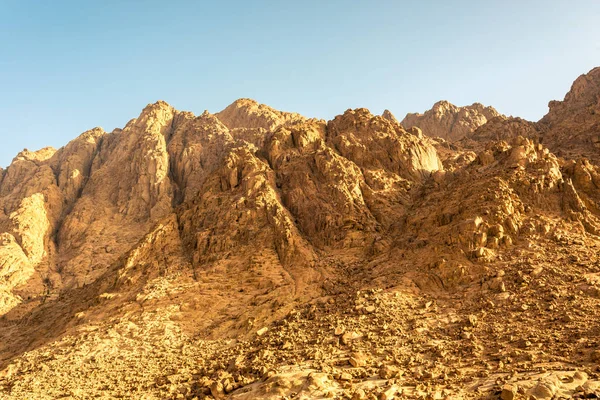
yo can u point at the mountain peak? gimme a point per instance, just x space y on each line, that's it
450 122
584 92
248 113
387 114
572 126
312 242
42 154
159 104
443 105
157 107
245 102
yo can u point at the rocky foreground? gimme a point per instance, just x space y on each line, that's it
259 254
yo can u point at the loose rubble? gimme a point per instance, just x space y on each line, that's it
259 254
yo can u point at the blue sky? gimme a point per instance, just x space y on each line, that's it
67 66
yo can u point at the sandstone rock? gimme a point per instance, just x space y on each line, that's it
345 376
411 157
262 331
389 116
146 261
349 337
359 394
217 391
449 122
318 380
509 392
389 393
358 360
570 127
542 391
388 372
247 113
498 129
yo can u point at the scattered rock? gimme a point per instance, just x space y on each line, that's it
262 331
358 360
509 392
389 393
251 253
349 337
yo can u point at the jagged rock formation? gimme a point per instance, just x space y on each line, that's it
248 114
387 114
255 253
449 122
497 129
297 185
572 126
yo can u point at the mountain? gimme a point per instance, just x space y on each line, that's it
255 253
449 122
571 128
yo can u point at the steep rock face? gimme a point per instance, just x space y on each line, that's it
450 122
572 126
74 211
310 241
15 269
293 184
73 164
146 164
329 214
31 206
19 176
250 214
129 189
196 148
376 143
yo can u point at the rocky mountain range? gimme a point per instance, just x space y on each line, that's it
449 122
255 253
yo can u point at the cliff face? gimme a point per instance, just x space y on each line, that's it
247 176
572 126
450 122
253 253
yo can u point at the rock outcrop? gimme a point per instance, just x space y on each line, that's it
248 114
254 253
572 126
70 214
449 122
497 129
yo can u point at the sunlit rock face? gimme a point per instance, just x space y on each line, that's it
572 126
297 184
255 253
449 122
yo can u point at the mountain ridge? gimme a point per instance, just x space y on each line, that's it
255 253
577 113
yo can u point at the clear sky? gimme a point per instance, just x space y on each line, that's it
67 66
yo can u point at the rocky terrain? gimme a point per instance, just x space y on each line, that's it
570 128
449 122
260 254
